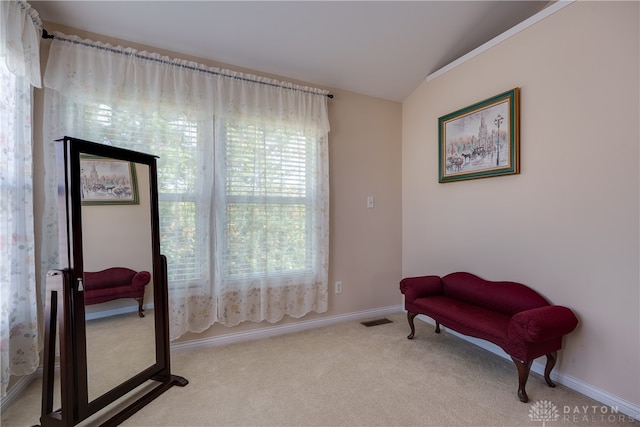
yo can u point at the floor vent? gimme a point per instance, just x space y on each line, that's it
376 322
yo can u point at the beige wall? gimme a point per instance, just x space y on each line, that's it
364 160
568 224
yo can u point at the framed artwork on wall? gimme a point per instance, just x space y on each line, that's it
481 140
106 181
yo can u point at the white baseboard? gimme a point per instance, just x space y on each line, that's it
16 390
283 329
115 311
575 384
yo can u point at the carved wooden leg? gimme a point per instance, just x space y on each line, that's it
523 374
437 327
410 317
140 309
551 362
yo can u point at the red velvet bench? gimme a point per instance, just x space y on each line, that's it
114 283
508 314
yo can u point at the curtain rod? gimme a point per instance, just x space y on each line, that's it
46 35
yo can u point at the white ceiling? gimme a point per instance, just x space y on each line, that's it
378 48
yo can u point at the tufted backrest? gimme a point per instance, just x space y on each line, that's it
505 297
109 278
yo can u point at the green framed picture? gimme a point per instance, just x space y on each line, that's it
105 181
481 140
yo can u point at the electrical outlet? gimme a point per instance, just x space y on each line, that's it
371 202
338 287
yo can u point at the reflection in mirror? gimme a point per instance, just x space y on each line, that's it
118 267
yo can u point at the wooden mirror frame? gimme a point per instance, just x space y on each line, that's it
65 306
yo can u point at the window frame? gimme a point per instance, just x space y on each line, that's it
281 277
97 114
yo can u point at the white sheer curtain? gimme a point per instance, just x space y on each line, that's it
20 40
243 174
20 29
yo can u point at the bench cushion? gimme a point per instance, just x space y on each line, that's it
467 318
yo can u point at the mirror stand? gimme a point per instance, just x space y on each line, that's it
90 176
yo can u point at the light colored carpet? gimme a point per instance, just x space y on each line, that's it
350 375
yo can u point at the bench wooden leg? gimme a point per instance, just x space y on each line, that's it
551 362
410 317
140 309
523 374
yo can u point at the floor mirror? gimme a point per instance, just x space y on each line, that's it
106 314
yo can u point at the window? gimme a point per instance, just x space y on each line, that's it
178 144
268 202
266 225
